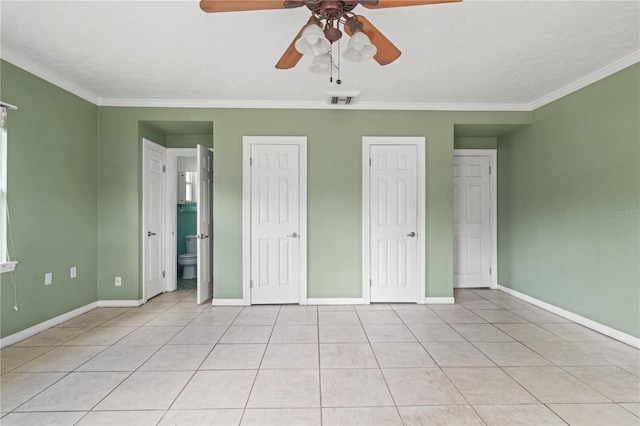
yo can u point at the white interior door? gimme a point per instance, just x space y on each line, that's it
275 223
205 224
154 226
471 221
393 214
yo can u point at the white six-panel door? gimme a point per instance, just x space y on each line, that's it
205 224
471 222
153 218
394 265
275 223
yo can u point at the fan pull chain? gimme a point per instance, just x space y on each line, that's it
331 64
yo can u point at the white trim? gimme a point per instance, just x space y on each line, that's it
600 328
588 79
147 143
267 104
247 141
120 303
336 301
48 76
438 301
8 266
582 82
38 328
420 143
227 302
171 219
492 153
33 330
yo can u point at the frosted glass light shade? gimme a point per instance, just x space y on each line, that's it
359 48
323 64
312 41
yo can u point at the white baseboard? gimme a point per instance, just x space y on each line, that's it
119 303
38 328
438 301
227 302
600 328
335 301
31 331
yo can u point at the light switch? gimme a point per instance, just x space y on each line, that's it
47 278
73 272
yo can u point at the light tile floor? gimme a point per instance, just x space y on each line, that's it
488 359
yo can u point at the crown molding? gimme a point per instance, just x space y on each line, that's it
583 82
246 104
27 65
19 61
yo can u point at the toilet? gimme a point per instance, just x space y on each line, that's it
189 260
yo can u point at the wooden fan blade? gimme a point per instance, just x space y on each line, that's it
291 56
387 51
213 6
382 4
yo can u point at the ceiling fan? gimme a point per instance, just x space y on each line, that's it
323 29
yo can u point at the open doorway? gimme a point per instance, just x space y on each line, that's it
185 208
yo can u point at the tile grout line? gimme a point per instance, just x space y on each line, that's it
67 373
246 404
201 363
131 373
395 404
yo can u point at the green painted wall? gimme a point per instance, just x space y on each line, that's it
475 142
569 194
52 198
148 132
334 190
75 192
189 141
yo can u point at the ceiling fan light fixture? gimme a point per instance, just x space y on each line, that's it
323 64
312 41
360 48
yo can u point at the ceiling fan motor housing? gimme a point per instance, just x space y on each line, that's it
332 34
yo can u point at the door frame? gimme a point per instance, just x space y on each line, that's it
247 142
172 217
145 144
420 143
492 153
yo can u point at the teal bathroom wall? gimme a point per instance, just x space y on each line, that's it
186 225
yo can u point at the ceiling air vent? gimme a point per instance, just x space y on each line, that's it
342 98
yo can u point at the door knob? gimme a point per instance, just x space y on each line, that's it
294 235
411 234
150 233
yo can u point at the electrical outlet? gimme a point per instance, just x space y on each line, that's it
118 281
73 272
48 278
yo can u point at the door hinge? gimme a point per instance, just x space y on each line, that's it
370 283
164 169
163 274
489 169
490 272
251 283
250 161
369 162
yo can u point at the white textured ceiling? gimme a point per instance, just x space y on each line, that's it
474 52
